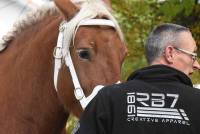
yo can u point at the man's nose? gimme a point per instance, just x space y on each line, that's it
196 65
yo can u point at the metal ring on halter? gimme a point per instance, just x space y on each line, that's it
55 53
78 92
62 26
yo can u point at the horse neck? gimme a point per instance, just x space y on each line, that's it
28 80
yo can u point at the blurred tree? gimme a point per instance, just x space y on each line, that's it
137 17
171 8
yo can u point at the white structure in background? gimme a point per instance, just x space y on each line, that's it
12 10
197 86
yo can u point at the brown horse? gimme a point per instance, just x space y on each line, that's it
28 99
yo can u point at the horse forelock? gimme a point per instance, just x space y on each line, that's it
100 9
31 18
90 9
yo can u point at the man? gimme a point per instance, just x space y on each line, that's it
158 99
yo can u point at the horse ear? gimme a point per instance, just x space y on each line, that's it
67 8
108 3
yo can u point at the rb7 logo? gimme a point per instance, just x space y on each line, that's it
152 99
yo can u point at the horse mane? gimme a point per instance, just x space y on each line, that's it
90 9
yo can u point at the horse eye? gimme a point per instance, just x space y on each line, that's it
84 54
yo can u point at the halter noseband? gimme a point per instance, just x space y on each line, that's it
61 54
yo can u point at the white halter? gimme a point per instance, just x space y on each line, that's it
61 53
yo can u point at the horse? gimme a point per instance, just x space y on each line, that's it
52 60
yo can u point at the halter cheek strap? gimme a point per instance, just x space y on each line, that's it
60 56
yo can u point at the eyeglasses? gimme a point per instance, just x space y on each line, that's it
192 54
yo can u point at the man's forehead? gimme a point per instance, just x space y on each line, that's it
186 38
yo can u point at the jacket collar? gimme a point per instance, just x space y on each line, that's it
160 73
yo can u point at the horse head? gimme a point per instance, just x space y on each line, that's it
90 39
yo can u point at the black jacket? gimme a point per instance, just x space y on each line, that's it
155 100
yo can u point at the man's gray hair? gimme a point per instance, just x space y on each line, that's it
162 36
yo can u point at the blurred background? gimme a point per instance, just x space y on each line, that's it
12 10
136 17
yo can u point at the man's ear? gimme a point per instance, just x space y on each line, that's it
169 54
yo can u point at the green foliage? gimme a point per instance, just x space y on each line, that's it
136 17
71 123
171 8
192 21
